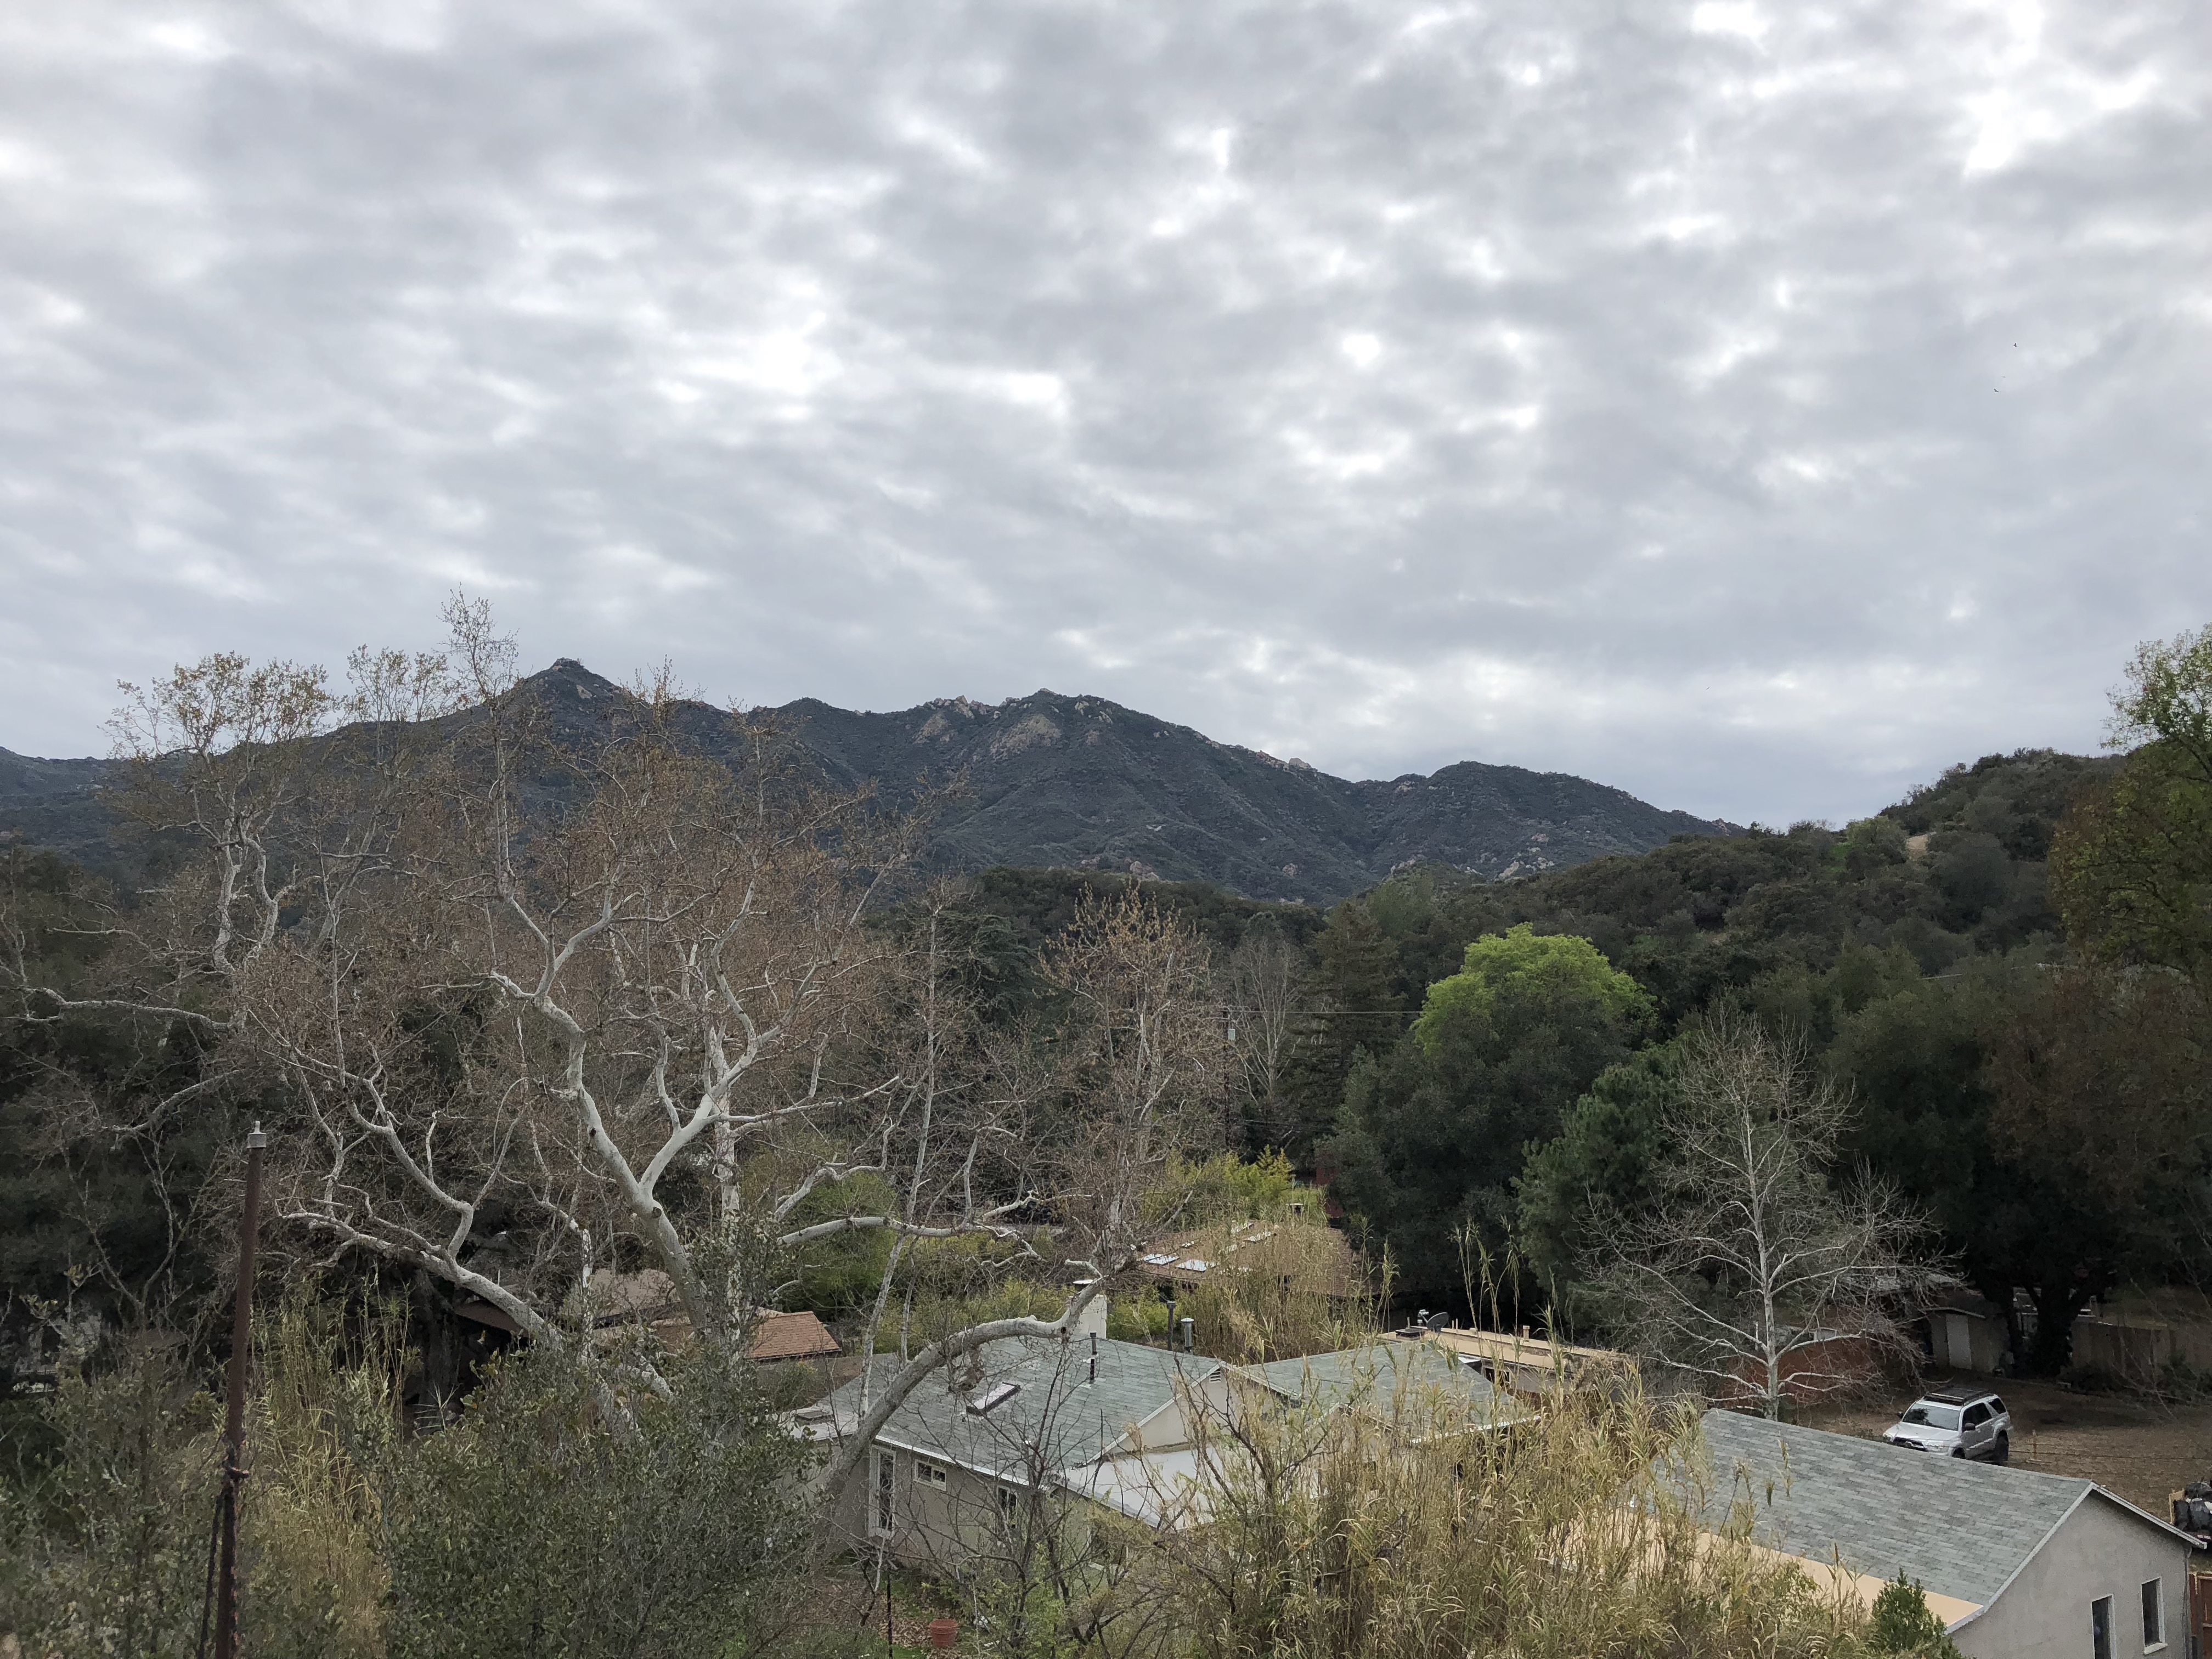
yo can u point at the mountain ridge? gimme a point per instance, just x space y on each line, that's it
1082 781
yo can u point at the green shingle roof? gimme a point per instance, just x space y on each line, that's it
1961 1529
1373 1376
1066 1418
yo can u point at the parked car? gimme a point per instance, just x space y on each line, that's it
1964 1423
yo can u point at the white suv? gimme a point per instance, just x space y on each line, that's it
1962 1423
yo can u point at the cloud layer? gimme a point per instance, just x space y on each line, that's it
1754 406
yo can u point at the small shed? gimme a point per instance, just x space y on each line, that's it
1967 1334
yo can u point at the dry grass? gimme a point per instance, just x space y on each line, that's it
1393 1533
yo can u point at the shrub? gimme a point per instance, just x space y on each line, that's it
571 1513
1904 1623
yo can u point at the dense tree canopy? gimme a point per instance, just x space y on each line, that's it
1914 951
2135 865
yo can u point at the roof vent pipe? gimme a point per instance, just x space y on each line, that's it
1189 1335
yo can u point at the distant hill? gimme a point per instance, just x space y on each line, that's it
1082 782
54 803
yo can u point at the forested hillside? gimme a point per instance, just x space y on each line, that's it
1915 954
583 1031
2039 1110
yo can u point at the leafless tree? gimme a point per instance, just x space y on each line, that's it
1262 983
1134 1075
535 1001
1753 1270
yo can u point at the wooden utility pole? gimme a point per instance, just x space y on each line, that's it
233 1422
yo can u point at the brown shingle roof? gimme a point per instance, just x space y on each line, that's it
792 1336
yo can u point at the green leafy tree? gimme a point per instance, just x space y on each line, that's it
2133 863
2015 1212
1602 1159
1358 1010
1432 1134
1519 969
2103 1079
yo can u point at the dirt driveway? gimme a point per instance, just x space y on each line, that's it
2139 1448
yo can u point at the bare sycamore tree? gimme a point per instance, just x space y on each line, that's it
1262 983
1131 1075
1752 1269
536 988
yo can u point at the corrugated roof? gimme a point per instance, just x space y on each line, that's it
1961 1529
1070 1419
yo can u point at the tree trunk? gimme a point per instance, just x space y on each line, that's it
2056 1307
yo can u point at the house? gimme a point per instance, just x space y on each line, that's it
2019 1566
1821 1364
1420 1387
972 1444
1120 1424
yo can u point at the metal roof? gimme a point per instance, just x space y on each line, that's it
1961 1529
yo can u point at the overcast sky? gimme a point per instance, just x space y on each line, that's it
1757 406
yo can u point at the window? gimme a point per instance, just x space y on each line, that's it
1977 1415
1928 1416
1010 1505
883 1510
2153 1612
2100 1627
926 1474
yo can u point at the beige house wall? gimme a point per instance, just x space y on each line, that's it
935 1526
931 1524
2098 1550
1169 1428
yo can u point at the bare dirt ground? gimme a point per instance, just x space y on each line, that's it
2141 1448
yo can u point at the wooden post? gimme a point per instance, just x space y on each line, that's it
233 1422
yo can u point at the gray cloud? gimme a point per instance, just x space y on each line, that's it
1754 406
